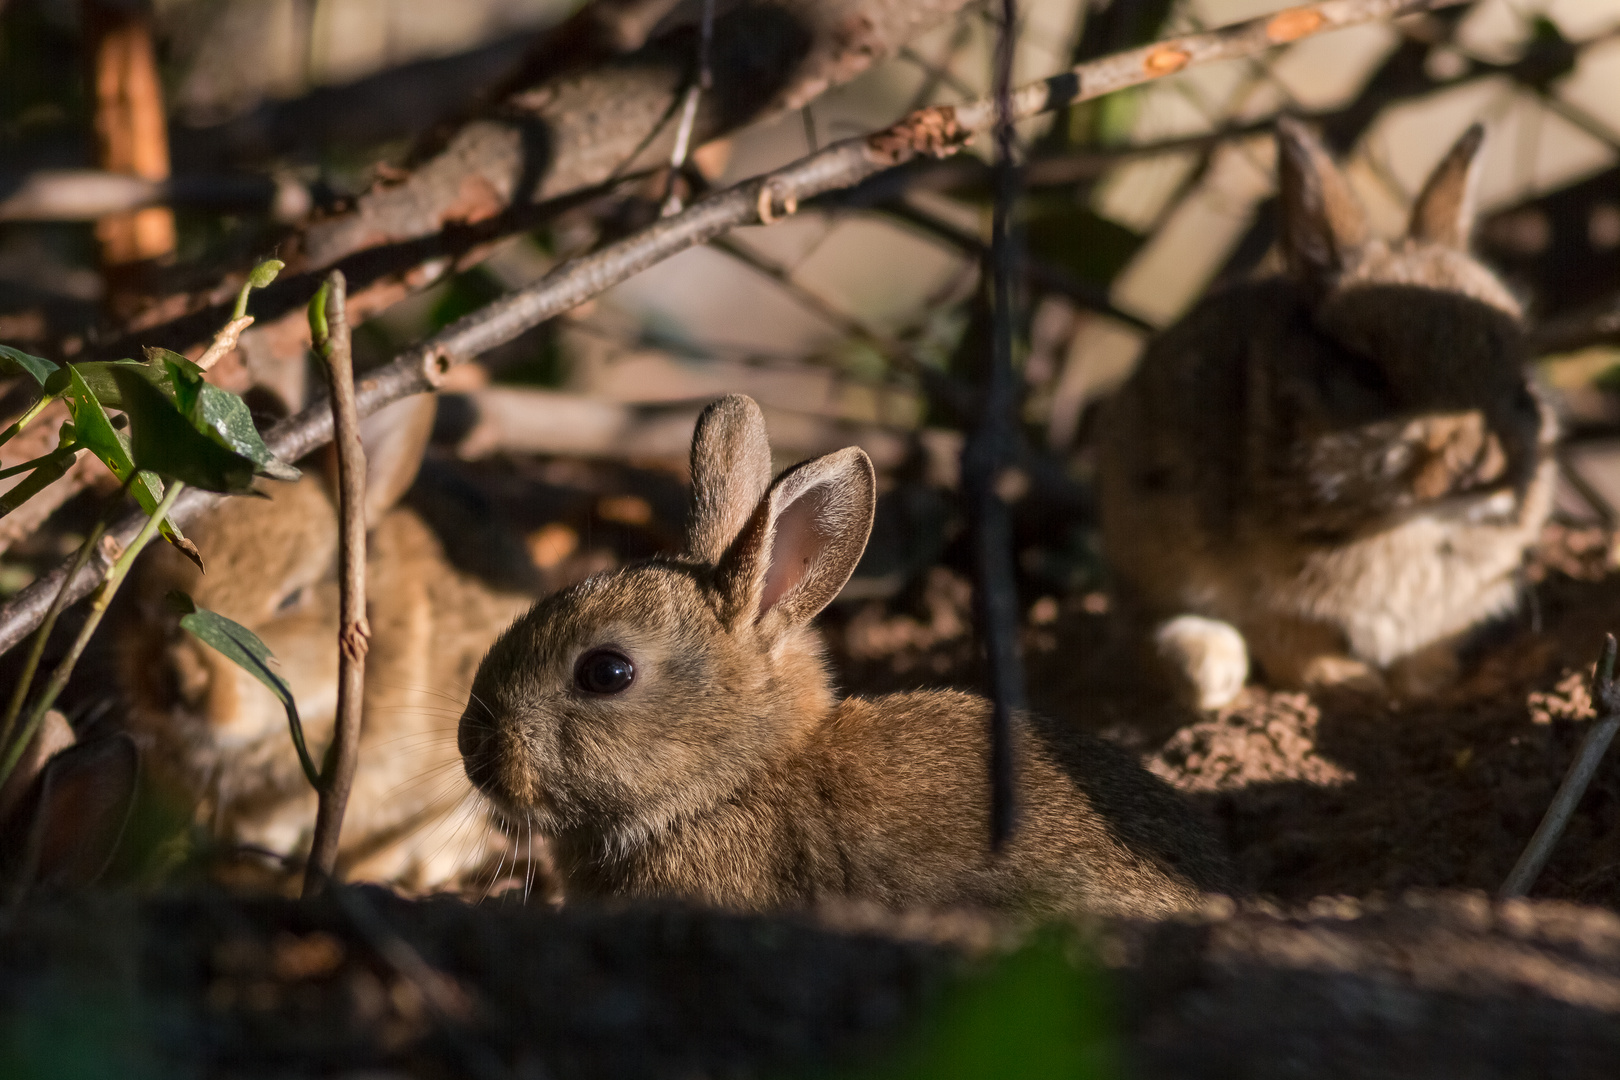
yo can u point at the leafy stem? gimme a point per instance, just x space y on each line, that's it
98 608
22 467
26 418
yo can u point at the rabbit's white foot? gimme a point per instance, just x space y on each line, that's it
1209 656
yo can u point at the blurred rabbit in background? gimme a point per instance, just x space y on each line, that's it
220 738
1335 469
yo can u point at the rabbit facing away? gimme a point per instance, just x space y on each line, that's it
671 726
216 736
1335 469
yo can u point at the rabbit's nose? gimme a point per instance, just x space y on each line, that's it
476 739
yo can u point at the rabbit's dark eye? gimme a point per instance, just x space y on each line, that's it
604 671
291 600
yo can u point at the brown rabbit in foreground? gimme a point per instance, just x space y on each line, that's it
1337 468
672 727
212 731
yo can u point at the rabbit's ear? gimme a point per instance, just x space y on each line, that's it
1322 223
1444 211
731 471
802 542
395 438
84 802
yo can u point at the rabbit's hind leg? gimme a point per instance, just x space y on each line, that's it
1207 658
1426 672
1295 653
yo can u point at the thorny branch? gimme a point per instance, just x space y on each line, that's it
938 130
331 336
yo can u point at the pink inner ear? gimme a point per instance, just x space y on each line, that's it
801 535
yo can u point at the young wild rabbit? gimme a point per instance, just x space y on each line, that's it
672 727
218 736
1337 468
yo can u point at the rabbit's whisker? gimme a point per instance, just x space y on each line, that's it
528 877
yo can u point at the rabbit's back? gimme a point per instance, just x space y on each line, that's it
889 802
1217 498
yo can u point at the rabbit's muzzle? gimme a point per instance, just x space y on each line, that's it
503 765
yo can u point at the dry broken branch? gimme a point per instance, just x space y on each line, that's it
764 199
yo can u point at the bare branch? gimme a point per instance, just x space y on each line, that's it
936 130
585 129
1606 695
354 632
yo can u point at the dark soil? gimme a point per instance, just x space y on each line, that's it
1331 794
369 984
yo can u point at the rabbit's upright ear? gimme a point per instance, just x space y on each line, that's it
1322 223
395 438
802 542
1444 211
731 471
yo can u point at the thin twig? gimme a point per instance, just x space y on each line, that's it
354 632
25 680
225 340
701 85
1607 697
937 130
987 453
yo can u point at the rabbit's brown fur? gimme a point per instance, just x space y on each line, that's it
729 772
214 733
1340 465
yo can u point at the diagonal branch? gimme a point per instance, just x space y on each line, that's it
765 199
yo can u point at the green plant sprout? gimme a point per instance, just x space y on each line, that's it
183 432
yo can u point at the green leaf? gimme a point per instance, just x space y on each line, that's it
225 418
17 362
159 358
243 648
184 379
1036 1015
97 375
165 441
94 430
